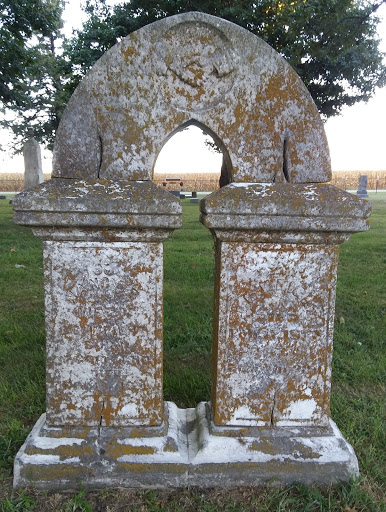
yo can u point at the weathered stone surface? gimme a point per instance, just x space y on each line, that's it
98 196
284 212
277 236
189 454
104 333
103 261
274 323
276 262
275 456
192 69
62 209
33 174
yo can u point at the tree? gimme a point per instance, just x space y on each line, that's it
332 44
30 70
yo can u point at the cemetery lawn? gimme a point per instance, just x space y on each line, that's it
359 363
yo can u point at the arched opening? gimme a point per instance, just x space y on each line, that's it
195 154
189 265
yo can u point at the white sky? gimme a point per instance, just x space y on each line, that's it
356 137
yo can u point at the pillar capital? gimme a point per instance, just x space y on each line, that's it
284 213
98 210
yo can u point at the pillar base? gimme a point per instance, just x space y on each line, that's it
188 450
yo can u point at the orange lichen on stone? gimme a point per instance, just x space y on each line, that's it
102 378
274 301
192 68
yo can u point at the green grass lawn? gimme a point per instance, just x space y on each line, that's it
358 395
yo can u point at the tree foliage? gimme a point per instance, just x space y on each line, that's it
332 44
30 70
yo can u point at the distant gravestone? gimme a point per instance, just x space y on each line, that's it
277 227
194 194
3 197
194 200
33 174
362 187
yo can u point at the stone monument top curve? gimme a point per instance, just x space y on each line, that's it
192 68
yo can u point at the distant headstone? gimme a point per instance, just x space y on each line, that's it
33 174
3 197
194 193
362 187
194 200
182 196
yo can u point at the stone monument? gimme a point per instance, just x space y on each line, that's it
277 228
33 174
362 187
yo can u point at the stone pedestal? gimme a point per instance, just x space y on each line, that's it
276 262
106 422
103 265
188 451
269 421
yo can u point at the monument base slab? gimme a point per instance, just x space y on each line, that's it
191 451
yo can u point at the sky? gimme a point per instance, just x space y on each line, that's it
356 137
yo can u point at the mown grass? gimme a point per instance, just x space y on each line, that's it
358 396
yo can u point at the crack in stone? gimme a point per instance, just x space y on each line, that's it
285 160
272 421
187 435
98 440
101 155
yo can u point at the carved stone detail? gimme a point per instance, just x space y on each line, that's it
200 71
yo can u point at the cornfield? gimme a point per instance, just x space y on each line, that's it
191 181
14 182
347 180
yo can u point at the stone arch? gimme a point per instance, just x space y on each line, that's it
226 169
188 66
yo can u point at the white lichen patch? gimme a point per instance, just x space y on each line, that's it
50 460
300 410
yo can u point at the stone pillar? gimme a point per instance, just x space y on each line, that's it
104 332
103 267
276 262
33 174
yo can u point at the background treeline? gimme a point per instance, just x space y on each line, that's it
347 180
333 45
